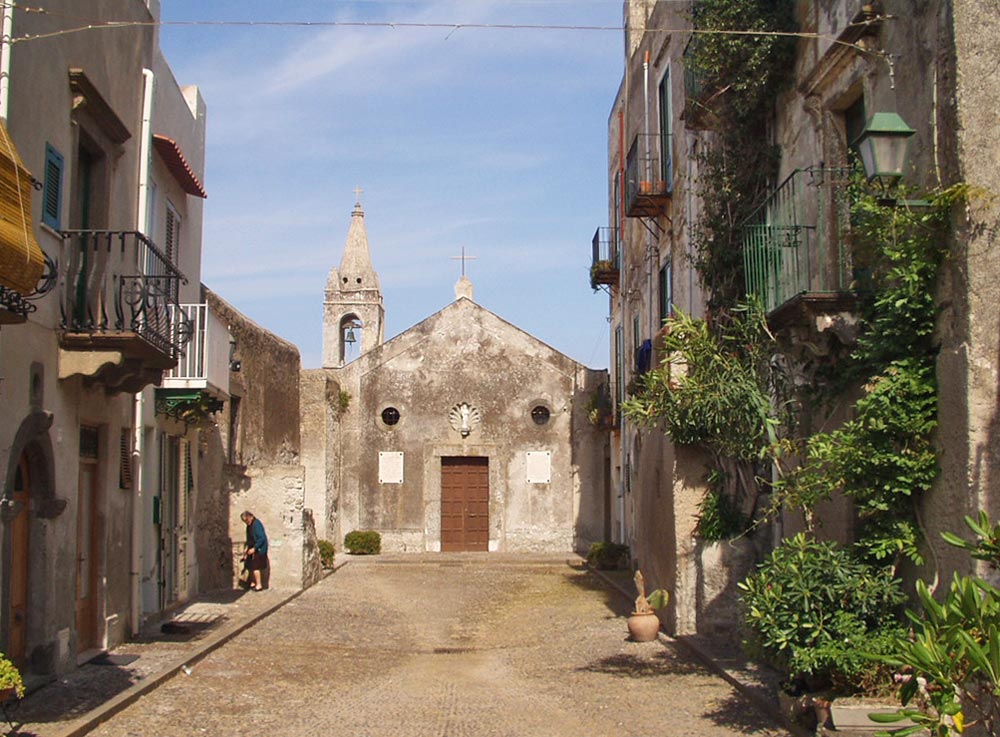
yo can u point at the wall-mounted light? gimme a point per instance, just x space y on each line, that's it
884 147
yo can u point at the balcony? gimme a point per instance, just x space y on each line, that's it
199 383
794 246
116 290
606 264
648 176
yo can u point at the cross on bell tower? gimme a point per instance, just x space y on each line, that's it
353 300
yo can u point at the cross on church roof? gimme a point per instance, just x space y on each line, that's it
463 258
357 194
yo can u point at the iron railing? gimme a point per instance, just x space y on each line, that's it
794 242
606 263
648 175
120 282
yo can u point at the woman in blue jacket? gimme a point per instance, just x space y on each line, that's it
255 556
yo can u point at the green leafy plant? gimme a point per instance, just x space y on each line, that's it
363 542
343 401
326 553
951 662
811 609
718 517
715 388
599 408
10 677
608 556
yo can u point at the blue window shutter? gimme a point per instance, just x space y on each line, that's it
52 189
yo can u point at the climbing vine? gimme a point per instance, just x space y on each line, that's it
737 79
884 459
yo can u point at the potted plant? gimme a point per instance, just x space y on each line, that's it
644 622
11 683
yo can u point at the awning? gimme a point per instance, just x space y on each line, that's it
178 166
21 259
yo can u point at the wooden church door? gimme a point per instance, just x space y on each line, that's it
465 503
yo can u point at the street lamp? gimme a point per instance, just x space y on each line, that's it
884 146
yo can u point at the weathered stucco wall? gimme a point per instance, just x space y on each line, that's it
969 409
260 468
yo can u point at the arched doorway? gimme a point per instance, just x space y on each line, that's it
19 532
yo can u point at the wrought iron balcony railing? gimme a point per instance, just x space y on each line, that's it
794 243
648 175
606 264
117 284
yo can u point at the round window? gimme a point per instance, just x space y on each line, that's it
540 415
390 415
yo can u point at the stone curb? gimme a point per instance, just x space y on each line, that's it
92 719
766 705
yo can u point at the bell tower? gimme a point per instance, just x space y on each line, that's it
353 313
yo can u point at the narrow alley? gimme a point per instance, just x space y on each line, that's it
446 645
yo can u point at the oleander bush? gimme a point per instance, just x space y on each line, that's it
363 542
812 609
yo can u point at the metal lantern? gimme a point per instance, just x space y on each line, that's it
884 146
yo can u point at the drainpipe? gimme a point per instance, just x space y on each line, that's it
138 443
6 48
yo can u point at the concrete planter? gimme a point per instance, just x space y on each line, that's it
852 714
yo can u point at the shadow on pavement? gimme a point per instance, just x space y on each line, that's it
587 580
628 665
734 713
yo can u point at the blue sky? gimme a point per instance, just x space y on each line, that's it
490 139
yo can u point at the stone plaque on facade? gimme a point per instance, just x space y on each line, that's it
539 466
390 467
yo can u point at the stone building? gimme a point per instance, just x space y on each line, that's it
100 472
461 433
928 64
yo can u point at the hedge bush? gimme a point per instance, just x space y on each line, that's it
363 542
606 556
326 553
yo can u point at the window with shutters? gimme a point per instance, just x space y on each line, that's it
666 291
52 188
172 235
125 466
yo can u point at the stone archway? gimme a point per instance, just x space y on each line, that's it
28 495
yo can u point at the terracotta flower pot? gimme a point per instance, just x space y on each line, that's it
643 627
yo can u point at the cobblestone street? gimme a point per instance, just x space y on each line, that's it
448 646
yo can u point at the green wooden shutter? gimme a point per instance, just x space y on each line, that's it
52 188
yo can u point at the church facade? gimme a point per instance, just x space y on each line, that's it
463 433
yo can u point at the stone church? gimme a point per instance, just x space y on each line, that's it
463 433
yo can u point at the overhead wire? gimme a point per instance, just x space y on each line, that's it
89 24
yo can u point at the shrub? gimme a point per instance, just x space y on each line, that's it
10 676
363 542
326 553
607 556
719 518
813 610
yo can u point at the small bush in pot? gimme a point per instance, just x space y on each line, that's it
363 542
